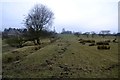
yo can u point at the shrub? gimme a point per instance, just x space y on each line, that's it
11 57
37 48
80 39
7 59
15 41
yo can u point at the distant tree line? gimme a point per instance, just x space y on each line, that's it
102 33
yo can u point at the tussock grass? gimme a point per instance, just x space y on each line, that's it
66 57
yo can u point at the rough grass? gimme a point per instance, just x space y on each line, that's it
64 58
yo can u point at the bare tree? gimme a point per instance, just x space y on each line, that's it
87 34
63 30
104 33
93 34
38 19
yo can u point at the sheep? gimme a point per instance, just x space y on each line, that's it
103 47
92 44
87 41
102 43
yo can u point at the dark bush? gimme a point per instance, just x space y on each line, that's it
80 39
7 59
15 41
17 58
37 48
10 59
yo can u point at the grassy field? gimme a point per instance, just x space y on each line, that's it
66 57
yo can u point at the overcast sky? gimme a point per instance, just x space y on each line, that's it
74 15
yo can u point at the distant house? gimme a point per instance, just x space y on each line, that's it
13 32
67 32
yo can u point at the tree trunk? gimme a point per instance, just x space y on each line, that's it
38 41
35 42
